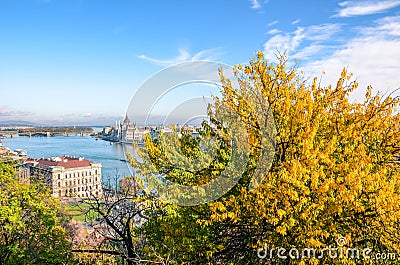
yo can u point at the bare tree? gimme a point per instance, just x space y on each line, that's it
114 218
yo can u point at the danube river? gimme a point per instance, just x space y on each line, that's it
109 155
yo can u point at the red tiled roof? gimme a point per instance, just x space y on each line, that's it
66 162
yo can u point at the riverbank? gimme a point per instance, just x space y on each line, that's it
55 131
79 146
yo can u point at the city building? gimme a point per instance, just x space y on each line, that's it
11 154
68 176
23 173
126 132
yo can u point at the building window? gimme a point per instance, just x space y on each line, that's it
95 172
59 184
78 181
79 189
59 193
59 176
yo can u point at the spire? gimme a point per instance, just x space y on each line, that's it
127 120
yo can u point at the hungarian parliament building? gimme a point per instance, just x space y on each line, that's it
126 132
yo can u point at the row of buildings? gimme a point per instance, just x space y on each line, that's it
65 176
13 154
127 132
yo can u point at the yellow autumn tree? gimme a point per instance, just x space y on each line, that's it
333 181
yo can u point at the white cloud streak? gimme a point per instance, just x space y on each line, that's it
272 23
185 56
296 21
360 8
273 31
255 4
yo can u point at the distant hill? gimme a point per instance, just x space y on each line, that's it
19 123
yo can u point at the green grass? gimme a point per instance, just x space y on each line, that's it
79 212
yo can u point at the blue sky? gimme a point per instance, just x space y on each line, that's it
80 61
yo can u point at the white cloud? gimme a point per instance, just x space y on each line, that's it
373 57
277 43
272 23
309 51
321 32
373 54
182 57
374 62
273 31
291 42
4 111
359 8
12 113
255 4
296 21
185 56
387 26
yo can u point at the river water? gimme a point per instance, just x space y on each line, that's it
109 155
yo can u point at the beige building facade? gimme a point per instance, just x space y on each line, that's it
69 176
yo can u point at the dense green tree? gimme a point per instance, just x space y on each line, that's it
30 230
